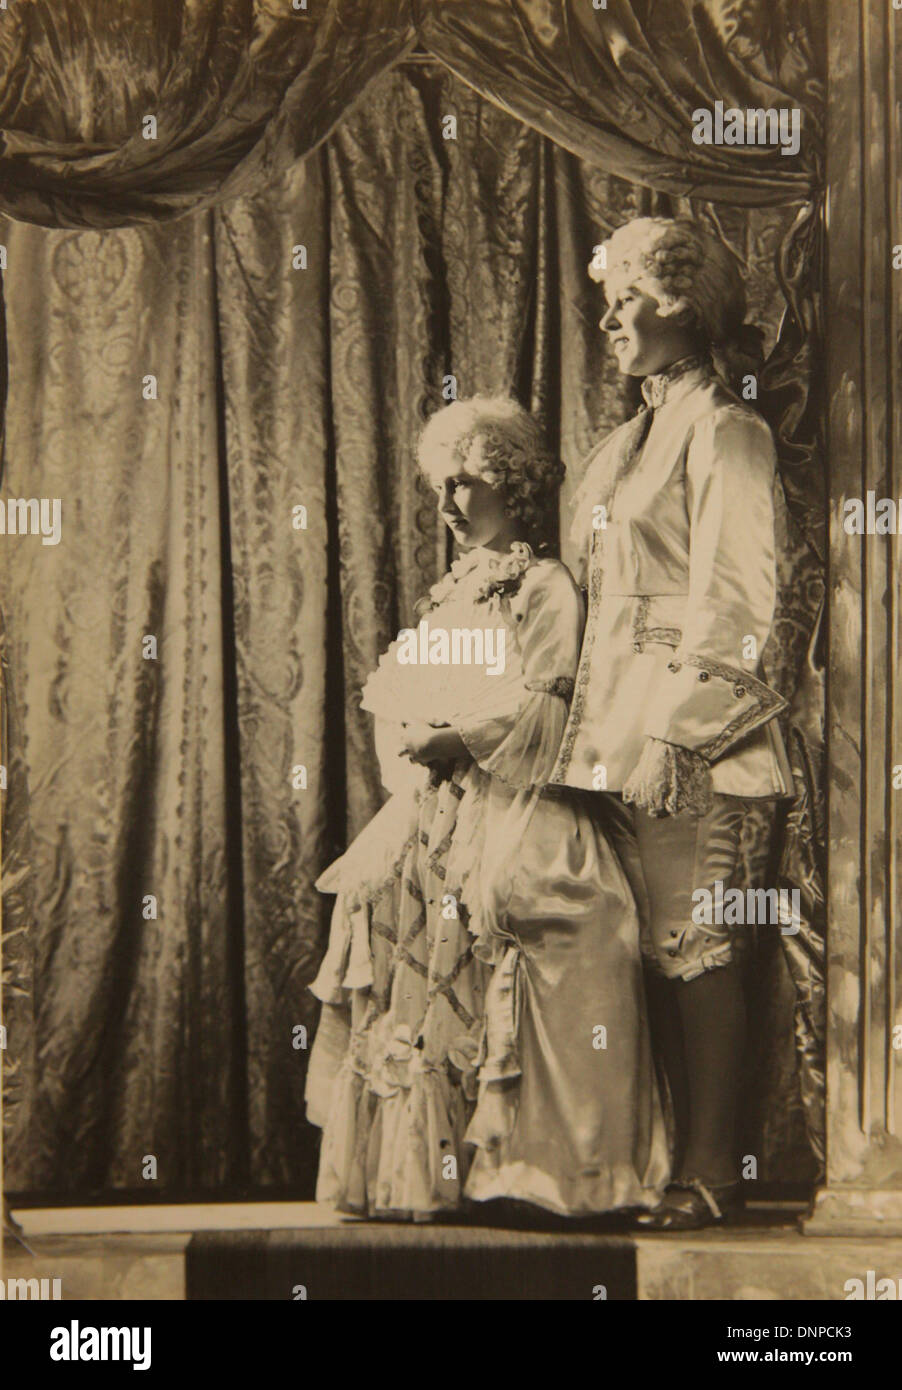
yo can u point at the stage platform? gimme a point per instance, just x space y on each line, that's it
293 1250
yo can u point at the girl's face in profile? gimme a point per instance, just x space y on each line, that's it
471 508
644 341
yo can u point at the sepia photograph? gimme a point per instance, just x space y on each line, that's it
451 661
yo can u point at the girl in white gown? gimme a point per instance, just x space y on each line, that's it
483 1031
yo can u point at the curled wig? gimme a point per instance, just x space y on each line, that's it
512 455
684 267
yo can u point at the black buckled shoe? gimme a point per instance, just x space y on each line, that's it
689 1204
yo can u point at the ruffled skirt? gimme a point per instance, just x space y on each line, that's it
483 1031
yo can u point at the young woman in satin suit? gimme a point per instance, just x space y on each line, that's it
670 713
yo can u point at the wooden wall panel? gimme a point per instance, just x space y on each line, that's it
863 314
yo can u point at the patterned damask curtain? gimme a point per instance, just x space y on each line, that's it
278 388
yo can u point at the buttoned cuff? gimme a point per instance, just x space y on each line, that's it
708 706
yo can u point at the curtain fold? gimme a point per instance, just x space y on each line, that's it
115 639
279 387
238 89
17 923
618 85
274 343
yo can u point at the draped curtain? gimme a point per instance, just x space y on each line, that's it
241 88
176 776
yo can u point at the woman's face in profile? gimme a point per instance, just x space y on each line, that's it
471 508
643 341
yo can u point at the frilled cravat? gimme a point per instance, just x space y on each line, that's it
655 389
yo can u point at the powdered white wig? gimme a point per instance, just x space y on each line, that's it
513 456
684 267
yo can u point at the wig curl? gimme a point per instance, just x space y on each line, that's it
685 268
501 443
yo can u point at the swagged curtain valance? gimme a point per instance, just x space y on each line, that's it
241 89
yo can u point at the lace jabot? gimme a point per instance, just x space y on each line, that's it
485 571
657 389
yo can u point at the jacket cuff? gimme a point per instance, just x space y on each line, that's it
708 706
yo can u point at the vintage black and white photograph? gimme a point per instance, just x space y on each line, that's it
451 750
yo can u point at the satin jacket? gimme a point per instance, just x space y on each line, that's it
677 512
